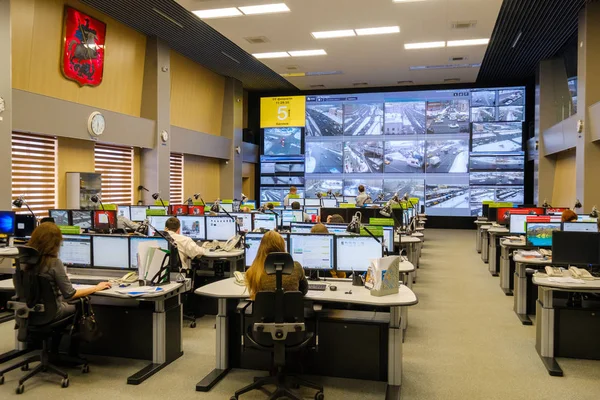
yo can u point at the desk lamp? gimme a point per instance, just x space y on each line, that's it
96 199
216 206
156 196
320 197
546 205
19 202
354 225
577 204
594 213
140 201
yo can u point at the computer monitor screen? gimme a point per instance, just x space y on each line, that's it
555 210
123 211
158 207
311 210
7 222
178 209
193 227
540 233
24 225
338 229
354 253
388 237
312 202
492 214
312 251
82 218
580 227
484 209
329 203
298 200
253 242
76 251
249 203
158 222
105 220
110 251
244 221
517 223
586 218
289 216
138 213
301 227
219 228
227 207
350 199
196 210
134 242
61 217
265 221
575 248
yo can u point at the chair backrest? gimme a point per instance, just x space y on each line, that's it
264 310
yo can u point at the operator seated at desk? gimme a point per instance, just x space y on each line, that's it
188 249
335 219
305 216
257 279
568 216
125 223
46 239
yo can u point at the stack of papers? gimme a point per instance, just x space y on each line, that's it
530 253
150 258
136 291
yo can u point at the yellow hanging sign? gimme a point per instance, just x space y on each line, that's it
288 111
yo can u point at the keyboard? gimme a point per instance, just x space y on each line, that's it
87 281
317 286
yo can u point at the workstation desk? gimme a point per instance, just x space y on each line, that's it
507 264
328 360
524 293
485 243
563 330
145 327
495 233
479 235
411 244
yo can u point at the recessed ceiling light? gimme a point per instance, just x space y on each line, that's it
377 31
265 9
424 45
468 42
306 53
333 34
218 13
277 54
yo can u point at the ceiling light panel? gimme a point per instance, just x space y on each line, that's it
377 31
306 53
424 45
265 9
333 34
469 42
277 54
218 13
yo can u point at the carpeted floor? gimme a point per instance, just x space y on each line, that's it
463 342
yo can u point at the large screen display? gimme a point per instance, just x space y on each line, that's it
452 149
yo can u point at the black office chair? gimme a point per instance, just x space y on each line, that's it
277 325
35 298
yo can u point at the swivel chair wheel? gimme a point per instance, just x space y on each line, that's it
20 389
65 383
1 379
25 367
319 396
193 325
85 369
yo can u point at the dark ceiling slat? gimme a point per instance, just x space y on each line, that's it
196 40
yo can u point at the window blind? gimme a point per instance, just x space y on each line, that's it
176 179
115 163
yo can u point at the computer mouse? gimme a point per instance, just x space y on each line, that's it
333 288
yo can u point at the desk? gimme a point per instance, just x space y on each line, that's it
495 234
227 289
421 237
232 257
478 236
411 245
506 248
556 321
520 292
155 318
485 240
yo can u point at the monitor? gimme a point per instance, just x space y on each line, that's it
227 207
575 248
580 227
354 253
196 210
289 216
138 213
178 209
300 201
349 199
244 221
76 251
82 218
388 237
301 227
193 226
265 221
219 228
124 211
158 222
158 207
555 210
330 203
7 222
24 225
484 210
311 210
337 228
492 214
61 217
313 251
105 220
253 242
540 233
249 203
517 223
110 251
586 218
312 202
134 242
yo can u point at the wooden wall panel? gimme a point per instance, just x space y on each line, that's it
37 27
249 180
202 175
564 193
74 155
196 96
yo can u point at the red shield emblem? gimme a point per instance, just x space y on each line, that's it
83 48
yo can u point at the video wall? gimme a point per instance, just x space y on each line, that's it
452 149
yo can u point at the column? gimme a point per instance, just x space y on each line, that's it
588 93
6 115
156 105
231 128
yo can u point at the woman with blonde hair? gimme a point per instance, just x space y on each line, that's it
257 279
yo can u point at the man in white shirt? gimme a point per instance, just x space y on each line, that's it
362 197
293 192
188 249
305 216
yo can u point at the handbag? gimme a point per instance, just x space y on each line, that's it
86 324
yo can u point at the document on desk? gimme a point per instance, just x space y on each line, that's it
530 253
136 291
565 279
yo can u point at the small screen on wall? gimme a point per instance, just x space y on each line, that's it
282 141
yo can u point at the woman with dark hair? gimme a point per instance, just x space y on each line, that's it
46 239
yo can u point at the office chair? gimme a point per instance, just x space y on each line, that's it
35 296
277 326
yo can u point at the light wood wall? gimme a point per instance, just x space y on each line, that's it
202 175
37 29
196 96
249 180
565 177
